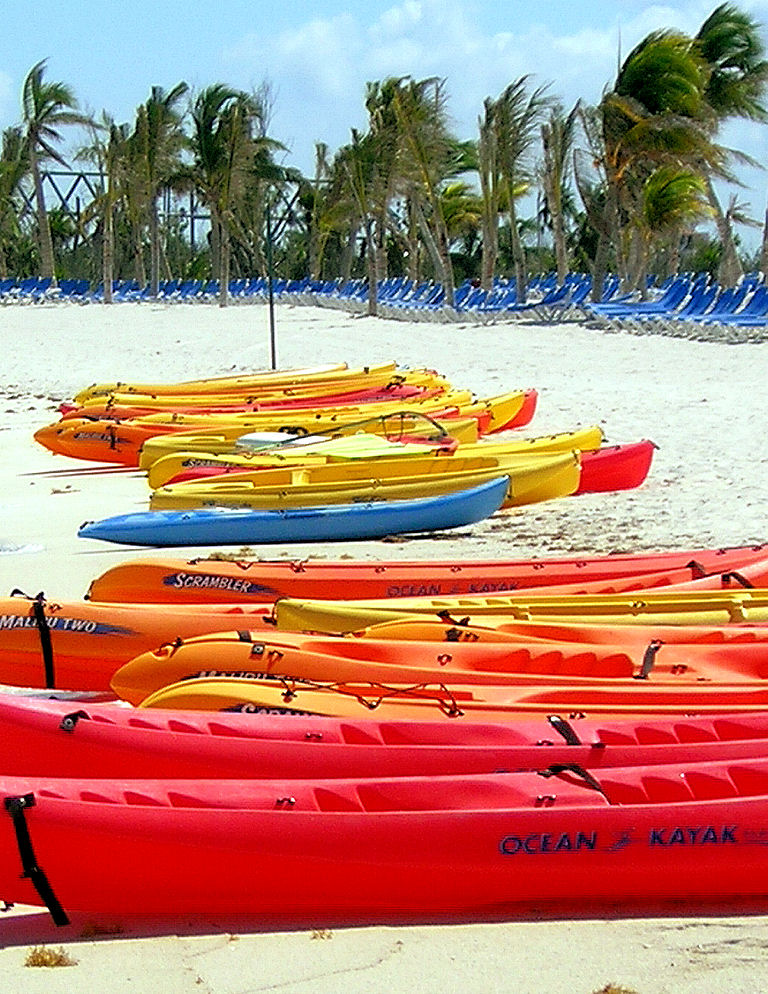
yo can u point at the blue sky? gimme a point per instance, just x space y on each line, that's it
316 56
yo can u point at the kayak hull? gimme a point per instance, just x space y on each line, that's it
340 522
316 853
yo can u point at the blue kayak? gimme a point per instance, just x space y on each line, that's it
337 522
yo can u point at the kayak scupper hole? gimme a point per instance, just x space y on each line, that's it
174 725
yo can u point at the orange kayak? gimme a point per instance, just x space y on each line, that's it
78 645
254 655
627 638
470 702
166 580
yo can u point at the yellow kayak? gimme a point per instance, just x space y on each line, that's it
315 452
532 479
224 440
307 416
218 384
363 446
441 701
709 607
277 394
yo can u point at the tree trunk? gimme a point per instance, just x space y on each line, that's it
449 285
764 250
413 242
139 272
600 267
382 267
349 253
518 255
108 255
561 252
372 267
490 250
224 252
154 249
43 227
555 206
215 241
730 270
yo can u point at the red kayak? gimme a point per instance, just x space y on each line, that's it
365 851
398 391
616 467
72 739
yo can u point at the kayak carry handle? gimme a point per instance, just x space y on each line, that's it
16 806
556 768
649 658
69 721
46 646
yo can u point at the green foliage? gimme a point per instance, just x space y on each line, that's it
405 196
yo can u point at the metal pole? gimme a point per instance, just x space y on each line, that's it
272 343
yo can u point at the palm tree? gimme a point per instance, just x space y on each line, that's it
45 108
673 199
557 134
429 157
358 161
109 150
159 140
654 115
515 118
223 148
732 47
13 169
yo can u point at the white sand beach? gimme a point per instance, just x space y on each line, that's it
705 405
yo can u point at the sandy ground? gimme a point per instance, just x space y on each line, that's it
703 403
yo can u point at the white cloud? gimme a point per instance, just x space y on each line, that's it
319 69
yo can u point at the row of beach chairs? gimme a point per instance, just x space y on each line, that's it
688 306
680 305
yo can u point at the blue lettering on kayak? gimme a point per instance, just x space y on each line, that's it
212 581
439 589
540 843
266 709
81 626
543 843
700 835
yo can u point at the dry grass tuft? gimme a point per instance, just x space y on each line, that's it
615 989
43 956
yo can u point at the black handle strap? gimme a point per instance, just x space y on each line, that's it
69 721
740 579
565 728
44 631
649 658
16 806
585 775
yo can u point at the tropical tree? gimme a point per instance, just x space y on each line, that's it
108 150
429 156
515 118
557 135
653 115
158 140
358 161
222 146
46 107
13 169
731 45
673 199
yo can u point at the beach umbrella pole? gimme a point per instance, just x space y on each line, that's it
270 293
